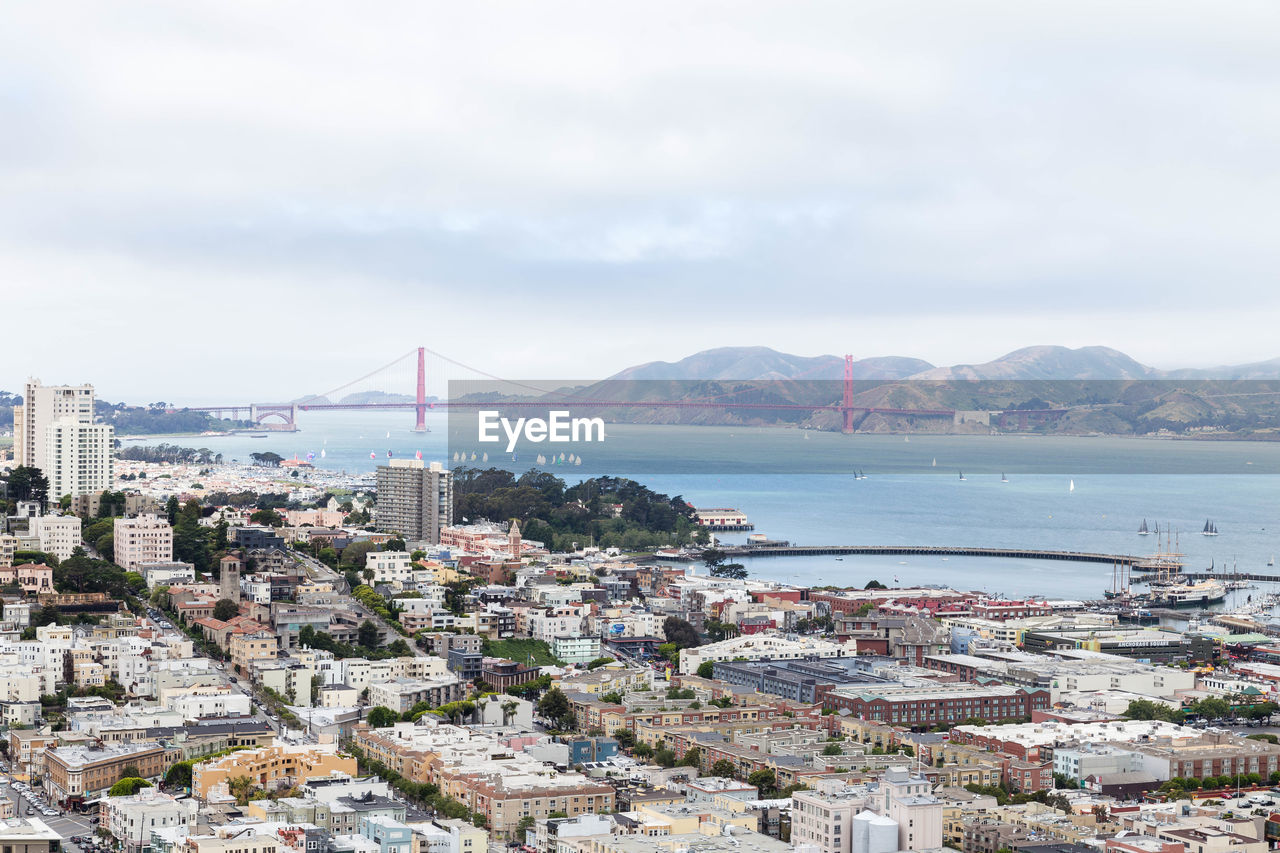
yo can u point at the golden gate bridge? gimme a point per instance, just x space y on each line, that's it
401 374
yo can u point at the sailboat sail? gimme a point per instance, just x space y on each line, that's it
1071 485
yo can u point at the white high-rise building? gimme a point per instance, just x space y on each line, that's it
55 432
78 458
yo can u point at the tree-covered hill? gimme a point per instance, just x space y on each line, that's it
604 511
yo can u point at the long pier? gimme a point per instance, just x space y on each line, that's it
1230 576
1129 560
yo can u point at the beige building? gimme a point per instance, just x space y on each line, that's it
76 774
265 766
145 539
247 649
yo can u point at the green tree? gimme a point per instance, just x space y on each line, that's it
367 634
706 669
832 749
1146 709
224 609
105 545
171 510
554 706
128 786
28 484
179 775
734 571
725 769
353 556
765 780
1211 708
269 517
664 757
381 717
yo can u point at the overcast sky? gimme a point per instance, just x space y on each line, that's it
228 201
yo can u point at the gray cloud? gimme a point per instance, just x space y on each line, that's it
949 181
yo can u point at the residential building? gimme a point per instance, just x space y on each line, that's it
34 578
79 456
28 835
401 694
269 764
130 820
145 539
248 649
76 774
59 534
415 499
897 813
759 646
576 649
390 835
938 704
41 406
392 567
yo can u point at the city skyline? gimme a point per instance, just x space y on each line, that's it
638 183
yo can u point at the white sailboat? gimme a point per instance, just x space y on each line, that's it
1003 478
935 462
1071 485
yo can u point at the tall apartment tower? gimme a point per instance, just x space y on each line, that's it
415 499
229 579
54 431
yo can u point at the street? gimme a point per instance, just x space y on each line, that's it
65 825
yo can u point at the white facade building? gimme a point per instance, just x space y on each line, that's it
393 567
78 457
197 703
59 534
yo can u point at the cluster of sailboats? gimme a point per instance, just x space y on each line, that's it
1210 528
553 459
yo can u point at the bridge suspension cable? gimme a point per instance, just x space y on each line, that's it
328 395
